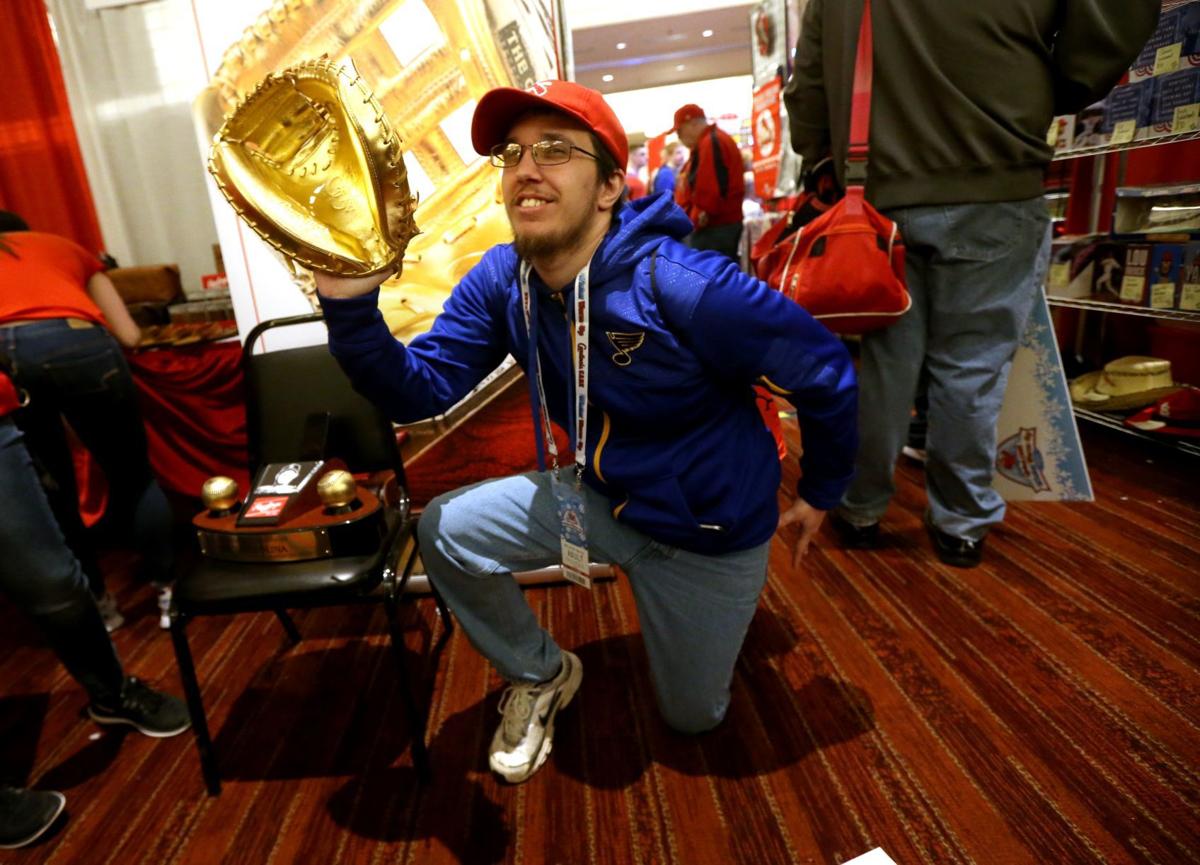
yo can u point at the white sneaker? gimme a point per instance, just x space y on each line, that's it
524 738
109 614
164 607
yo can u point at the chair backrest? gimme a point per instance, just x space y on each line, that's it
300 405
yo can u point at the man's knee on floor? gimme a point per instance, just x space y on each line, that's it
692 716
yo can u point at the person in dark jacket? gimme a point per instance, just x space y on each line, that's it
647 352
713 184
963 95
42 576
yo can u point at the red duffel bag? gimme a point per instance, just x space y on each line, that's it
846 266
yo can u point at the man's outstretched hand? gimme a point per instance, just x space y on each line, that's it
330 285
808 519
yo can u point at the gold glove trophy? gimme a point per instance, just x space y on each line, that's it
311 163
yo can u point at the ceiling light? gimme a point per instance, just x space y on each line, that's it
706 34
606 78
680 68
620 46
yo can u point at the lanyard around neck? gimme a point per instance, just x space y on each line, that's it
579 369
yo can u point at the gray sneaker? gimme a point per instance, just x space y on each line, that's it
524 738
152 712
26 814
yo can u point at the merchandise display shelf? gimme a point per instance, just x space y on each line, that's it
1101 149
1127 309
1112 421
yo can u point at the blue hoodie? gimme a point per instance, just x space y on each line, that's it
675 440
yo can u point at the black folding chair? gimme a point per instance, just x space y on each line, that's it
289 394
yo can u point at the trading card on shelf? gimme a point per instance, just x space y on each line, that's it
1165 259
1088 127
1189 278
1133 280
1061 134
1188 30
1108 270
1176 102
1156 55
1127 112
1072 263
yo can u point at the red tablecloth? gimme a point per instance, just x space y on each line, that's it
193 409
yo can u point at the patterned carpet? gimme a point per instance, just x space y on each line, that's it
1039 709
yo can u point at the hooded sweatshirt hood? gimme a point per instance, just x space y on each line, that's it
637 229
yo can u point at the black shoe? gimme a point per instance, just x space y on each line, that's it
152 712
855 537
954 551
26 814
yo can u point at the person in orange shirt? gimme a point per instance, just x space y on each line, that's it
62 326
712 185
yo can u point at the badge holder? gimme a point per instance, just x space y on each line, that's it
572 530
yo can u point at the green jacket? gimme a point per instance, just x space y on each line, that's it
963 91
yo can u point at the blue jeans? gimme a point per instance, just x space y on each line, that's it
42 577
974 272
80 374
694 609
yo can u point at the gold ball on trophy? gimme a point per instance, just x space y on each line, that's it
219 493
337 488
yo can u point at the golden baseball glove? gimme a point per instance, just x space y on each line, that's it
312 164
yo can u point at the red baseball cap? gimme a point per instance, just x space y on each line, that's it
1177 414
686 113
499 109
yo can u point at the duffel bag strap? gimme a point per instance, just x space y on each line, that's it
860 104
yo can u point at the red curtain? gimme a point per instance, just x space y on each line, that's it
41 170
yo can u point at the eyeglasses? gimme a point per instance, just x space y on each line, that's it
548 152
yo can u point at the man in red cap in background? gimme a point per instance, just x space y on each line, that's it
713 183
646 352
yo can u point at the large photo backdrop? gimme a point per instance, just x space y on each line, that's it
428 62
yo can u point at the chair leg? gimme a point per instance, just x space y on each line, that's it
447 622
191 692
289 626
416 717
443 610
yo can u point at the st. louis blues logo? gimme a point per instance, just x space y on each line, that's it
625 344
1019 460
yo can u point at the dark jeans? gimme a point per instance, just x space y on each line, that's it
41 576
80 374
722 238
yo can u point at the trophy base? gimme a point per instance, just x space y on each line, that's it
310 534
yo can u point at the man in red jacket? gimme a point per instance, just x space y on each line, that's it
713 186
